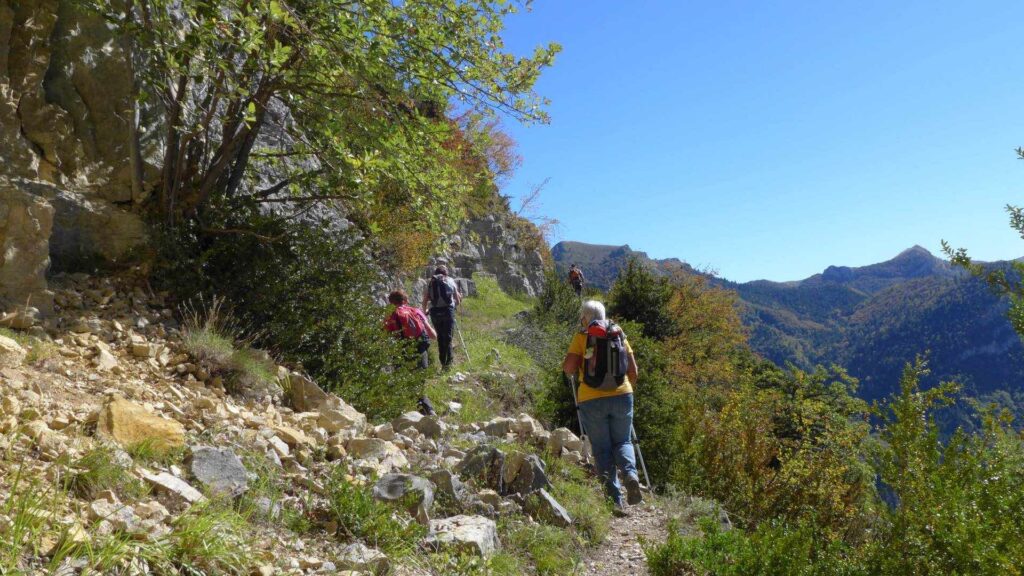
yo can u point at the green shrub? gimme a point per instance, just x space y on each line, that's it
316 304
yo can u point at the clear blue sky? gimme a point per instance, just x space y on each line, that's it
772 139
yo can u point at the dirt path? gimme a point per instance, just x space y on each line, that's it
620 554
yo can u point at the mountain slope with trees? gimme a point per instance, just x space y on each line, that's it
870 319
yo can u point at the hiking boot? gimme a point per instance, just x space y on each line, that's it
619 511
633 494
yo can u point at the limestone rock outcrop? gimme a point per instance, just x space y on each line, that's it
25 225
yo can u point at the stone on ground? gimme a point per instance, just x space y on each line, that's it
129 424
564 438
544 505
359 557
416 492
523 474
472 534
11 353
219 470
173 485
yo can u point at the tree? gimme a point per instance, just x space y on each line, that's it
1006 280
287 103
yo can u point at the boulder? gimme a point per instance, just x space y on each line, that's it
219 470
523 474
406 421
171 484
484 463
471 534
11 353
341 418
450 486
544 506
26 222
360 558
499 426
368 447
415 492
304 394
129 424
564 438
291 436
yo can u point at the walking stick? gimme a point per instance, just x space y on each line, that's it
632 434
462 341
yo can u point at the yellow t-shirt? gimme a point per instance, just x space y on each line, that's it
579 346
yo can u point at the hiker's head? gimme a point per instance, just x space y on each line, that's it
591 310
398 297
441 269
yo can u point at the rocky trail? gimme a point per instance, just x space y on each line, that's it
109 412
621 553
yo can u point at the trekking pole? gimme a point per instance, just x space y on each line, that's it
639 455
462 341
632 436
579 419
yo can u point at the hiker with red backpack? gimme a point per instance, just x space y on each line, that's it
410 323
440 297
576 280
602 361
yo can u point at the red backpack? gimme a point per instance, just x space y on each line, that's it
409 321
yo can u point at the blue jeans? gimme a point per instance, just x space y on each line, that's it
607 422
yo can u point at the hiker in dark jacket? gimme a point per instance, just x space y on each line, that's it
407 322
440 298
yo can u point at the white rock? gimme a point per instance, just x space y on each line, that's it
473 534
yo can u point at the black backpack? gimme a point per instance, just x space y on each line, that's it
607 360
442 293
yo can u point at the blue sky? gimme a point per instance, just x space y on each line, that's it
772 139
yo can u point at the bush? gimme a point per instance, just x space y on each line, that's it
315 305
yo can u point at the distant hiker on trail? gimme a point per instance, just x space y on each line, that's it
576 279
440 298
407 322
602 361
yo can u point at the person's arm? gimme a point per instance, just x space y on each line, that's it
458 296
574 357
633 372
426 296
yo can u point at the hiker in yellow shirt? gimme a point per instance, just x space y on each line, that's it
602 361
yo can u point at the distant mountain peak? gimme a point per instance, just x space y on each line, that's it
916 250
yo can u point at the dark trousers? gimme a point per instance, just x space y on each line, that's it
444 323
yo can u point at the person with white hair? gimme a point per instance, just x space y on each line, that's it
602 360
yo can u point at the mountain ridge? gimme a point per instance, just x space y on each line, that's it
871 319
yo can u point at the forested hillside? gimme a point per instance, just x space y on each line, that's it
870 319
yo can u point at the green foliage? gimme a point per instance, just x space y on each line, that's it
772 549
551 550
1005 281
31 506
315 305
211 539
211 339
367 88
642 296
97 471
955 506
360 517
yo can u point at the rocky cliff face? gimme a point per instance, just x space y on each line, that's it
489 245
66 140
